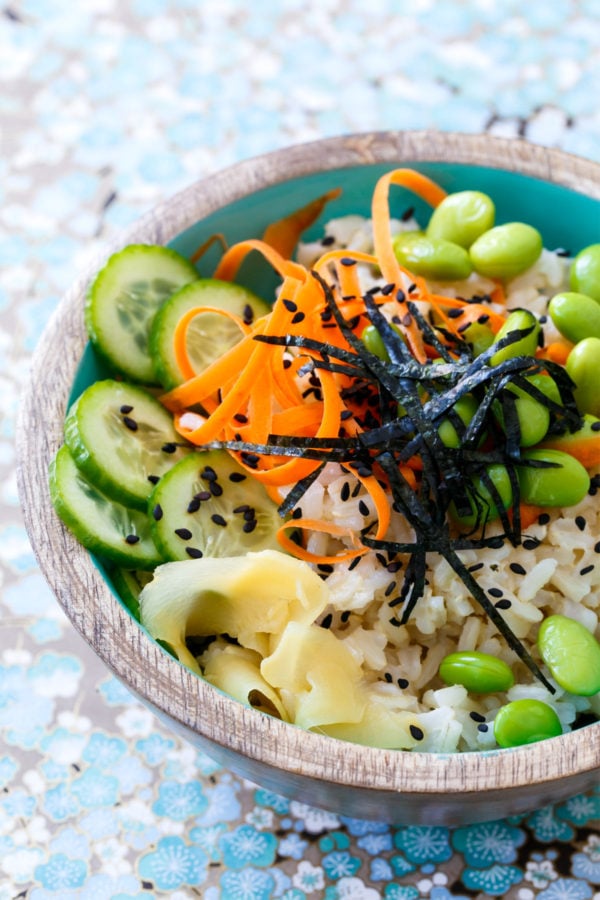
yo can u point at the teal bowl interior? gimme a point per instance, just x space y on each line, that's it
566 219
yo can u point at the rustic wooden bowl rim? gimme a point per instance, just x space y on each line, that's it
169 688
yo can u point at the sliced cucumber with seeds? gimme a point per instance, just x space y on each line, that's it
124 298
123 440
206 505
106 528
128 584
209 335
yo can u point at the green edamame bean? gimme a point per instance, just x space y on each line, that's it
506 250
432 257
462 217
481 499
547 386
373 341
534 419
465 407
576 440
480 337
576 316
572 654
518 320
583 365
525 722
478 672
565 484
585 272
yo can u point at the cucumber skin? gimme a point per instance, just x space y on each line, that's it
112 357
129 558
86 461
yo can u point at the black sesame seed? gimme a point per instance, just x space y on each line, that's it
325 567
215 489
126 408
483 319
597 547
345 491
249 514
394 566
388 677
326 623
412 288
203 495
542 320
347 261
476 716
244 507
153 479
193 552
248 314
595 426
390 588
417 732
475 567
503 604
218 520
544 519
345 415
169 447
290 305
396 601
194 505
297 513
387 289
249 526
157 513
455 313
298 317
400 296
518 569
184 533
241 418
586 570
531 544
363 508
495 592
407 320
132 538
345 616
237 476
402 683
353 563
287 363
580 522
130 423
328 240
208 474
364 472
483 727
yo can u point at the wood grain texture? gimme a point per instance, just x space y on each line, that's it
358 781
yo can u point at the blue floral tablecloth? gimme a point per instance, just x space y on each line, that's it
107 106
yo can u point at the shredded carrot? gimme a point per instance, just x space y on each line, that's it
584 447
557 351
213 239
284 234
181 330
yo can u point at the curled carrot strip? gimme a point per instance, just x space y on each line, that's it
284 234
181 330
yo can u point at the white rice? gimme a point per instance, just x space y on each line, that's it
403 660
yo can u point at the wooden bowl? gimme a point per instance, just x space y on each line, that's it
558 193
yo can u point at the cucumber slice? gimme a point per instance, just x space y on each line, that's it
122 439
128 584
108 529
123 299
200 508
209 335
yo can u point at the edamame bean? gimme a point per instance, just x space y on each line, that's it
506 250
564 484
462 217
525 722
576 316
518 320
432 257
585 272
465 407
480 337
373 341
547 386
533 417
483 506
478 672
582 443
583 365
572 654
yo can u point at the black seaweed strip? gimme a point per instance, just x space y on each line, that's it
497 500
413 587
326 455
477 425
429 334
298 491
512 425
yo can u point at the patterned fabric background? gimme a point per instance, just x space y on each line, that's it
107 106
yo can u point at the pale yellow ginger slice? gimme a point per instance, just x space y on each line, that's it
380 726
249 597
318 677
236 671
